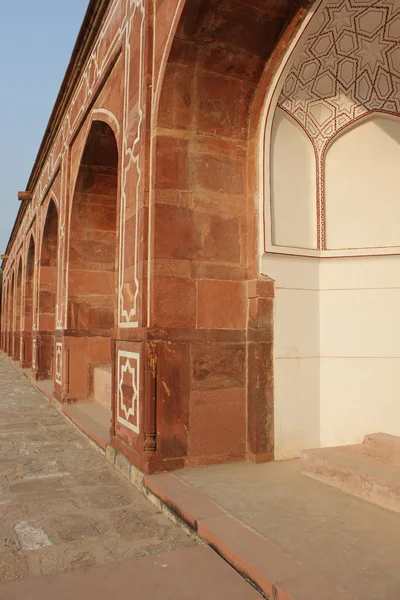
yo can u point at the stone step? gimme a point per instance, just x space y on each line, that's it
360 470
383 447
93 419
102 385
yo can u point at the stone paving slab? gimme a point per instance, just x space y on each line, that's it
348 542
62 505
91 418
275 572
188 574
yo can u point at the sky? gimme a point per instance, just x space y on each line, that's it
36 42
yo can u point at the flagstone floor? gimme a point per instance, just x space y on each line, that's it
62 505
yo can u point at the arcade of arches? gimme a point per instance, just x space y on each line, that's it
208 250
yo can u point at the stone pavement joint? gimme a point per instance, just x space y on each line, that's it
191 574
63 506
274 572
72 526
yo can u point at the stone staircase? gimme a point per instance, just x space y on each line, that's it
370 470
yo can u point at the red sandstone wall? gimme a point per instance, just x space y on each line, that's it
189 329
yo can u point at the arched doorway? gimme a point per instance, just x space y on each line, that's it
8 309
332 244
48 294
203 244
11 315
4 311
18 315
92 267
28 305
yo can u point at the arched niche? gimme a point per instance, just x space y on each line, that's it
11 314
29 275
48 292
92 264
6 309
92 241
293 184
362 181
28 305
4 313
18 313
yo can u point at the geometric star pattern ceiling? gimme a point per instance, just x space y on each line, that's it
347 66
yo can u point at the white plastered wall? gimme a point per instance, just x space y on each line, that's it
362 183
337 320
359 348
293 184
296 353
336 350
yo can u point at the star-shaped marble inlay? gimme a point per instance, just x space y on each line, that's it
128 410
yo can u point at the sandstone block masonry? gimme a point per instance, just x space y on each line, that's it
135 245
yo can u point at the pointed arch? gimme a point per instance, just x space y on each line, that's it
11 314
293 184
28 302
203 197
326 87
361 184
8 309
47 296
4 313
92 259
18 310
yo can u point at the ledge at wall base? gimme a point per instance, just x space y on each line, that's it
89 418
45 386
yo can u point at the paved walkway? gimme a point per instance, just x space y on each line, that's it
64 508
282 529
